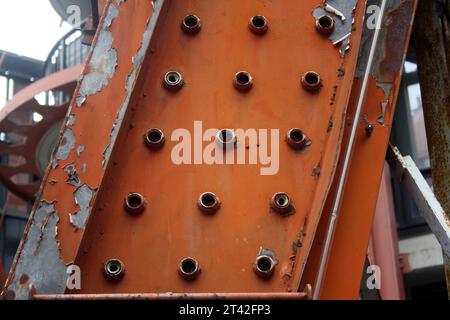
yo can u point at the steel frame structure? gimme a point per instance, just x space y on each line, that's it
79 217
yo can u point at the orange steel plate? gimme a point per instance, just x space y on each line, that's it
227 243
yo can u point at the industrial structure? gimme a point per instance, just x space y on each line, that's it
211 149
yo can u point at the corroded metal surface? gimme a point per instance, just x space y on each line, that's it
180 296
345 267
101 156
429 207
433 56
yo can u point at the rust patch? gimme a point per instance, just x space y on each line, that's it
397 25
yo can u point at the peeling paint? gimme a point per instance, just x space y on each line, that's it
335 11
388 58
342 13
102 65
83 198
66 145
71 120
80 149
72 175
384 105
137 61
54 164
40 264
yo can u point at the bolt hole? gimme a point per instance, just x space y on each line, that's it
226 136
134 203
258 24
325 24
282 200
191 21
191 24
311 81
243 81
154 138
114 269
296 139
281 203
135 200
173 80
258 21
312 78
208 202
189 268
226 139
264 264
243 78
297 135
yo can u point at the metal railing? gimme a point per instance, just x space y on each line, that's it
68 52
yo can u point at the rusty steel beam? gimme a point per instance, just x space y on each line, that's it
102 157
349 247
432 44
348 152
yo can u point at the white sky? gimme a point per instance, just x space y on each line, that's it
30 28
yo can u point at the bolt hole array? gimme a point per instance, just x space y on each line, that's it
208 202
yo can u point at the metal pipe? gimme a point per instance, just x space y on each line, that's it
179 296
348 154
